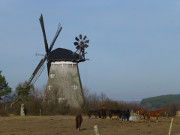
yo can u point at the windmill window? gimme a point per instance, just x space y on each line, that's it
52 75
61 100
49 87
75 87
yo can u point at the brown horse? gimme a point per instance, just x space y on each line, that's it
78 121
156 114
141 112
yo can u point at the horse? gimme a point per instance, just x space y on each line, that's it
156 114
95 113
79 120
125 115
141 112
102 113
117 113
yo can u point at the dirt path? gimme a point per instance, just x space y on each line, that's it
65 125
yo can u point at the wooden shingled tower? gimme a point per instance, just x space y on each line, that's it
64 83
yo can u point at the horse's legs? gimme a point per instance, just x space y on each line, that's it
157 119
148 118
89 115
110 116
100 115
77 123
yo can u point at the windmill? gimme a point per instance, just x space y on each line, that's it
40 67
64 83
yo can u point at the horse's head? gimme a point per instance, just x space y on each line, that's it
165 113
89 114
136 111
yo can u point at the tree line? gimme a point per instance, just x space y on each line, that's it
10 102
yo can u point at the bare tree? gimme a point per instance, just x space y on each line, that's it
102 97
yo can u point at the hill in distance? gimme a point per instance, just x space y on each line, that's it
159 101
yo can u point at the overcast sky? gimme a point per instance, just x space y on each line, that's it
134 48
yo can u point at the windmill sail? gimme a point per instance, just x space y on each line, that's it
55 37
44 33
37 72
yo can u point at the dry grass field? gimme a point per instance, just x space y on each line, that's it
65 125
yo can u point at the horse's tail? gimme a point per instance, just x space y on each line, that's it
78 121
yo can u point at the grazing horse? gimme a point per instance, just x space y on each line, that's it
156 114
95 113
102 113
78 121
117 113
141 112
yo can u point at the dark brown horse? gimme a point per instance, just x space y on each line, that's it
95 113
156 114
78 121
141 112
102 113
117 113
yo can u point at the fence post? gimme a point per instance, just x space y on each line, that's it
22 113
170 126
96 130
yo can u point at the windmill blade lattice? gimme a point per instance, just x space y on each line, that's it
37 72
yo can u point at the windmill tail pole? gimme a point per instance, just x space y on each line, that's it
96 130
170 127
18 98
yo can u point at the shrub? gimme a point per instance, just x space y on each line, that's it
54 109
33 107
171 108
3 110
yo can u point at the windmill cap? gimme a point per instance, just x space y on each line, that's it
61 54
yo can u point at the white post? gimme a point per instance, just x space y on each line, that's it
96 130
170 126
22 110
